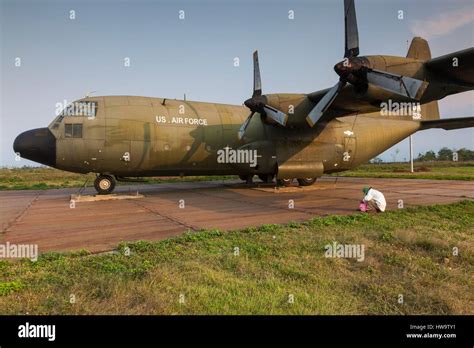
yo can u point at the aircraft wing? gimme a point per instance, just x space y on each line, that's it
457 67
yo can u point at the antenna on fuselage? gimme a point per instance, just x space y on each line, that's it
88 94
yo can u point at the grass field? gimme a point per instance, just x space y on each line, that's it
38 178
448 170
279 269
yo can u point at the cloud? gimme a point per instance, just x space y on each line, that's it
443 24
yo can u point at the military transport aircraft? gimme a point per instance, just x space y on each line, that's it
377 102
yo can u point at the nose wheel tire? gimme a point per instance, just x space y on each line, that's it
104 184
306 181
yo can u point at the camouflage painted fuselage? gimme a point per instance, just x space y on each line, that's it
175 137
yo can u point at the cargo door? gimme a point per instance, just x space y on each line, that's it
95 156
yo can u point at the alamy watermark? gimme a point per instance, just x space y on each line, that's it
37 331
232 156
393 108
27 251
347 251
78 108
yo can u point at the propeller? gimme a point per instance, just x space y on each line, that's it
258 102
356 71
351 50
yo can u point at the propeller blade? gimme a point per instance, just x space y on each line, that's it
257 82
244 126
257 102
317 112
279 117
403 85
351 32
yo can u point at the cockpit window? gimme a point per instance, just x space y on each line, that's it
73 130
80 108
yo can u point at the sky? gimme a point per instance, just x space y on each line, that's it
64 58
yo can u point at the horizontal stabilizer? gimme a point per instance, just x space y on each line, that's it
448 123
457 67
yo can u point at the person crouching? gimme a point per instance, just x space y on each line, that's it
374 200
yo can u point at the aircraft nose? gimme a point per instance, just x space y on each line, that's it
38 145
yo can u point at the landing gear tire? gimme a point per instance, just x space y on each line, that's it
285 182
104 184
306 181
266 178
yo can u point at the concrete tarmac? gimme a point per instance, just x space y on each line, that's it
47 218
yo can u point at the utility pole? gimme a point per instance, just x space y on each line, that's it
411 153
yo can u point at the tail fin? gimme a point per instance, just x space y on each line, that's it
430 111
419 49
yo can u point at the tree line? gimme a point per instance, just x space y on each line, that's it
445 154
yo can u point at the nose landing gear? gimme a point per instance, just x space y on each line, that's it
104 184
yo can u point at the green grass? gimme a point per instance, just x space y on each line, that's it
41 178
425 170
408 252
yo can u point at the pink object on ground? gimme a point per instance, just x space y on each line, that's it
363 206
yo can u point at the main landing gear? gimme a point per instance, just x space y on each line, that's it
104 184
306 181
247 178
265 178
301 181
284 182
268 178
